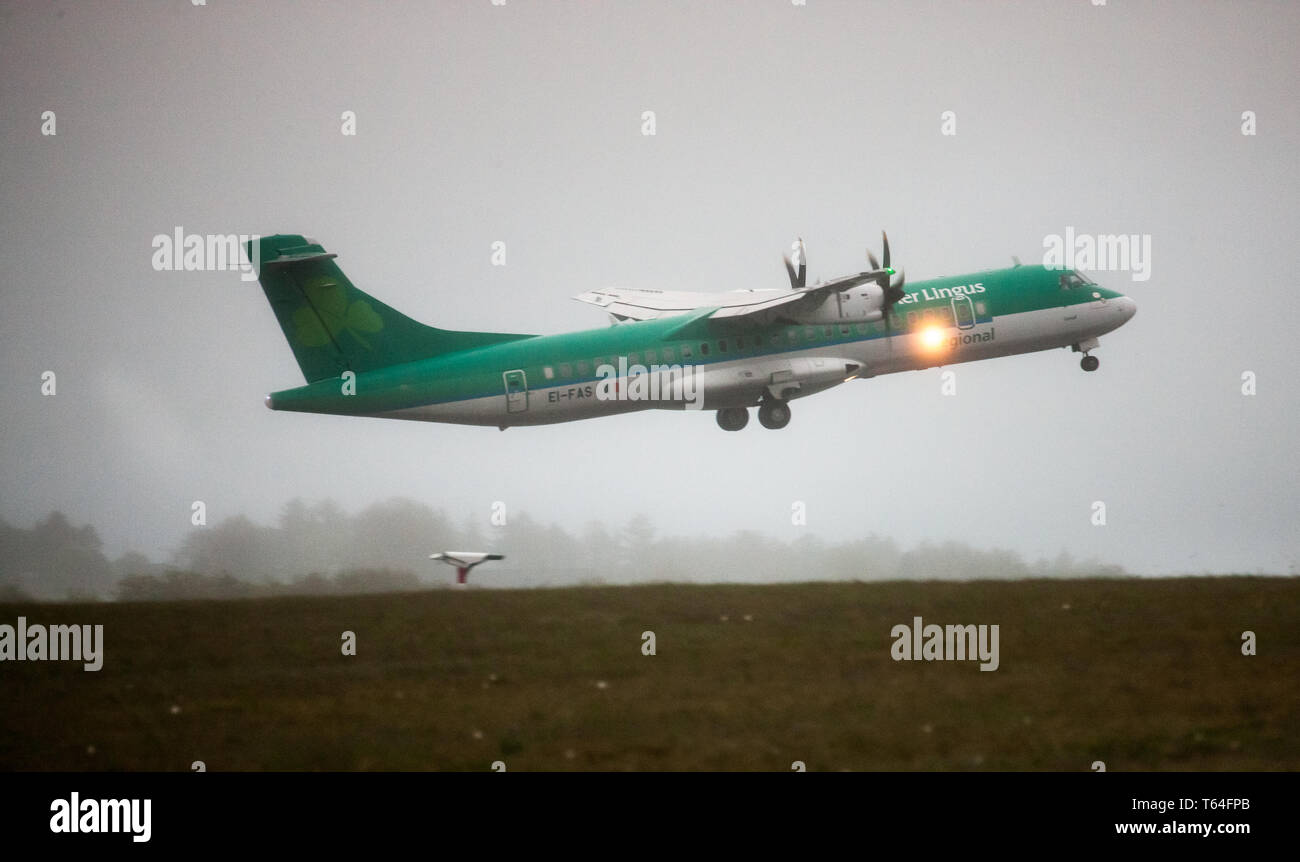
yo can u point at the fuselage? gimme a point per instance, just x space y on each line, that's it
730 364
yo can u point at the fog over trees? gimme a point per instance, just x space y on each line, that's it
319 548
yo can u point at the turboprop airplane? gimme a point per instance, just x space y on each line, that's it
725 352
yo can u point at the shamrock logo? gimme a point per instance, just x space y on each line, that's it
330 313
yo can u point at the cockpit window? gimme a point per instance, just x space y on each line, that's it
1073 280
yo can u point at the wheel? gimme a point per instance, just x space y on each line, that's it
732 418
774 414
1089 363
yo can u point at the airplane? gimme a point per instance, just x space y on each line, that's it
725 352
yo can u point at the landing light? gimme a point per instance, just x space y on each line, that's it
933 337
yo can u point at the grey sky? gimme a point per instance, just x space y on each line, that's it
522 123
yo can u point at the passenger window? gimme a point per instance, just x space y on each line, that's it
668 354
548 372
979 308
809 333
651 357
704 349
828 331
634 359
582 368
911 319
792 335
722 346
566 370
686 351
862 329
844 330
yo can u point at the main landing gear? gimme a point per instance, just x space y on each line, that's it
732 418
772 413
1089 363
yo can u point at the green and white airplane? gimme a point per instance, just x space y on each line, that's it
725 352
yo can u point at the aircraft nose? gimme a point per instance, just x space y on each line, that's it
1127 307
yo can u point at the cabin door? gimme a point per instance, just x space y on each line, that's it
516 391
963 312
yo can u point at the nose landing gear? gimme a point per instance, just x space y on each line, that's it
1087 363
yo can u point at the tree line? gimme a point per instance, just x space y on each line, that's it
321 549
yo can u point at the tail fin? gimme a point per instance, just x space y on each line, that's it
334 327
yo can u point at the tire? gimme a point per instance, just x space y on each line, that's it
732 418
774 414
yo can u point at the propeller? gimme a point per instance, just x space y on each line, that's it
892 292
799 279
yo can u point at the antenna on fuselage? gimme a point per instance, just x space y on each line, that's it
1015 260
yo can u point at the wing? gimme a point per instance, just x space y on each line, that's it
639 304
806 296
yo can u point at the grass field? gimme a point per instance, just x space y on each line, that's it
1141 674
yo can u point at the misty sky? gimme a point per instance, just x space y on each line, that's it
522 123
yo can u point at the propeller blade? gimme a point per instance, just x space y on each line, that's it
894 292
885 271
800 278
891 291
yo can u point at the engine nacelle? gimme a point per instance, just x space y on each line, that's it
858 304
